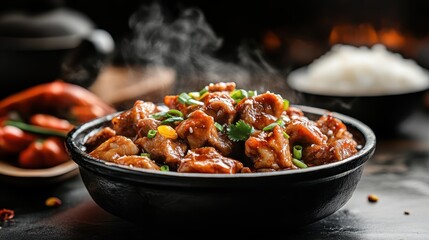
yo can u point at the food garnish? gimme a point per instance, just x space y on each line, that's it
240 131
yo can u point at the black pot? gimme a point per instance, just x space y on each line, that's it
42 45
289 198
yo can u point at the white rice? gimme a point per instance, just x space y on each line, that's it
360 71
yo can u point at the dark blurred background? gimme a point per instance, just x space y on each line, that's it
290 32
286 34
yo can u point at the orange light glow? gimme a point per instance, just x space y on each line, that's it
271 41
362 34
392 38
366 34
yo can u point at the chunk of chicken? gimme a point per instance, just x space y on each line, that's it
98 138
261 110
125 124
269 150
208 160
332 152
199 131
146 124
333 128
220 106
114 148
304 132
164 150
137 161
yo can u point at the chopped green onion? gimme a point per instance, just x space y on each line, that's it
160 115
151 134
271 126
194 95
252 93
35 129
172 120
239 95
285 104
285 135
165 168
297 152
183 98
298 163
204 90
174 113
145 155
192 101
218 127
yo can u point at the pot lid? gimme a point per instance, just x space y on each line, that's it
58 28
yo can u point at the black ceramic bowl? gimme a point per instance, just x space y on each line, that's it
382 113
288 198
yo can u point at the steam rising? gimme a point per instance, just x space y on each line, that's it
187 44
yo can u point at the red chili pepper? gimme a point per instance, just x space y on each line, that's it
51 122
13 140
45 153
6 214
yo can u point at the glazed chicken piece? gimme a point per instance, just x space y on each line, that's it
199 131
98 138
304 132
164 150
221 86
137 161
220 106
114 148
269 150
144 125
333 128
294 112
208 160
261 110
332 152
125 124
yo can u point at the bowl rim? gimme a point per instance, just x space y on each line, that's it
336 169
292 76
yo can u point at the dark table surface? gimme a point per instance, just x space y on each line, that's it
398 174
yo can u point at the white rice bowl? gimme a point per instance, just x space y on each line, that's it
360 71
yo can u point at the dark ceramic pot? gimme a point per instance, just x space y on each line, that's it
288 198
41 45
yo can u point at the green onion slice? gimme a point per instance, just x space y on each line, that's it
299 163
239 95
172 120
151 134
271 126
285 135
145 155
165 168
285 104
297 152
183 98
174 113
218 126
204 90
160 115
